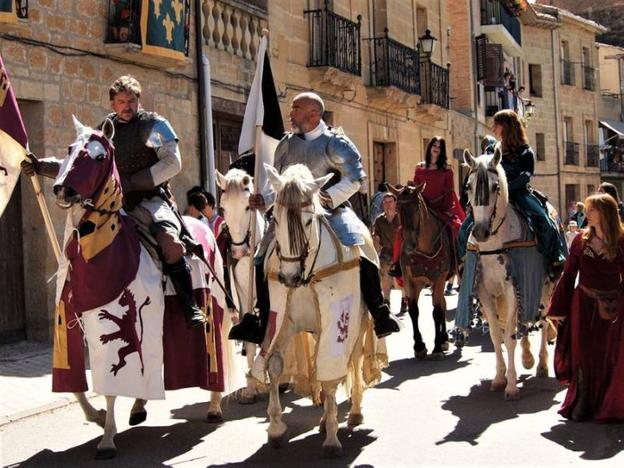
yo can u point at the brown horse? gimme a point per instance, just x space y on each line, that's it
426 260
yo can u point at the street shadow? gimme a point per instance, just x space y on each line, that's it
410 369
595 441
136 447
482 408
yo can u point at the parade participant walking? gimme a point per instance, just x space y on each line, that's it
146 156
384 231
518 161
439 193
323 150
590 357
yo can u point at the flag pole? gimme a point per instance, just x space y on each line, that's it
252 213
46 217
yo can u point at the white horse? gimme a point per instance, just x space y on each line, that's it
110 286
314 286
497 229
237 187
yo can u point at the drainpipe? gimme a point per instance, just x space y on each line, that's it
557 122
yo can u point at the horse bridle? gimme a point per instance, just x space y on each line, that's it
493 232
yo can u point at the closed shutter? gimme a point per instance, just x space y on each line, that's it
481 45
495 65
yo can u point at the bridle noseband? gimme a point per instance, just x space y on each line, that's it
493 214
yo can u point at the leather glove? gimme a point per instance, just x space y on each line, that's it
30 165
256 202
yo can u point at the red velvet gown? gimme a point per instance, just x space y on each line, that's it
440 197
593 344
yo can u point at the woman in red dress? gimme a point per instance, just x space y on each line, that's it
590 349
439 192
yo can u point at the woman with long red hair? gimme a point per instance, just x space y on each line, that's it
590 348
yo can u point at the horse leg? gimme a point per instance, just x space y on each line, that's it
542 365
420 350
509 302
439 318
487 304
331 446
277 428
527 356
215 415
248 395
106 448
357 386
91 414
138 414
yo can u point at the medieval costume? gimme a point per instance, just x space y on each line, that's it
590 348
324 150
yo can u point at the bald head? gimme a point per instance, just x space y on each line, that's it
306 112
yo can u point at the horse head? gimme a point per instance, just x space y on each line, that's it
410 205
237 187
487 193
88 169
297 221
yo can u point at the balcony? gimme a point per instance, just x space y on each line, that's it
571 153
567 73
334 41
589 78
164 43
16 19
501 26
434 84
497 98
612 164
592 152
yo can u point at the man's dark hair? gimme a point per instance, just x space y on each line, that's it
210 199
198 200
382 187
125 83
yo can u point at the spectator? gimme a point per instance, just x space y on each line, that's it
201 204
571 233
579 216
610 189
384 230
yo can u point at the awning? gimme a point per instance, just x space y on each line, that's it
614 125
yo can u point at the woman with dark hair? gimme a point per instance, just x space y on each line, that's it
439 192
590 348
518 161
610 189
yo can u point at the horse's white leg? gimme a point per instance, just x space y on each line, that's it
489 309
91 414
138 414
331 447
511 390
542 365
528 361
215 415
277 428
106 448
357 389
249 394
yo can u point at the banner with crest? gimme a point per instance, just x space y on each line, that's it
165 27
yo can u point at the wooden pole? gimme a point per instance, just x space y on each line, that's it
252 223
46 217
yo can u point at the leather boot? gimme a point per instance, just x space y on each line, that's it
252 327
395 270
370 284
180 275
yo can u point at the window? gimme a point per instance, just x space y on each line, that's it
384 163
572 194
535 80
540 147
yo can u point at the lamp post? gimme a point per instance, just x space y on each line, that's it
427 43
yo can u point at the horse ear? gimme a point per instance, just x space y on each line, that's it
394 190
108 129
496 159
221 182
321 181
469 159
274 178
80 129
246 180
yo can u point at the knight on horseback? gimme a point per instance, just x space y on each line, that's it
323 150
147 156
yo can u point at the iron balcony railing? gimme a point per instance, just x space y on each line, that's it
610 164
593 155
493 12
571 153
394 64
434 84
22 8
567 72
334 41
589 78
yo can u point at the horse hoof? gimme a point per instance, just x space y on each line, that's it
542 372
459 344
512 395
105 453
283 387
528 363
137 418
245 399
331 451
322 428
420 355
214 417
437 356
445 346
277 441
497 386
355 419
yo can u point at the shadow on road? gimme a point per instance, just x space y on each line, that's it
482 408
595 441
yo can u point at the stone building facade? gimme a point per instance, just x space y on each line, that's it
388 95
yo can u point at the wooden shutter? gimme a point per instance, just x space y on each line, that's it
481 44
495 65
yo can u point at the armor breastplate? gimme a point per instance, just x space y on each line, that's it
312 154
131 152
